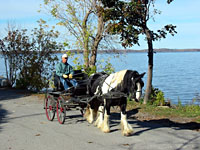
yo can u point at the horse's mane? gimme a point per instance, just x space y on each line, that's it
126 81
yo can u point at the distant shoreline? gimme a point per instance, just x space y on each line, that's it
136 51
165 50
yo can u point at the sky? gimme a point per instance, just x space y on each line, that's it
185 14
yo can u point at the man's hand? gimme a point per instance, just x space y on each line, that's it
70 76
65 76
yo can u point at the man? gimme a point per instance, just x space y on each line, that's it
65 72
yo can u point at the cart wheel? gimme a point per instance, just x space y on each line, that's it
61 110
50 107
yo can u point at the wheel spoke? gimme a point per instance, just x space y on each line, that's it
50 105
61 110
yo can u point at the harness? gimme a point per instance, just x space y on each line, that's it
101 80
114 92
111 94
95 84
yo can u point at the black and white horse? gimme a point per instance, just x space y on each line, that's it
112 90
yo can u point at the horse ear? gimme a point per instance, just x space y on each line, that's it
139 77
142 75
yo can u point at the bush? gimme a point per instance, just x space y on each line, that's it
157 97
30 59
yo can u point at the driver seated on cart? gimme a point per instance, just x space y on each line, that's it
65 73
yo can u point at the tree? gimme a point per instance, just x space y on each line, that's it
30 59
10 47
129 20
84 21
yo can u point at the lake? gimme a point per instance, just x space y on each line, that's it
177 74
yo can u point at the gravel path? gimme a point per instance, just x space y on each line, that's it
23 126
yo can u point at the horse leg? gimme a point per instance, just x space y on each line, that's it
105 126
125 126
99 120
91 111
88 114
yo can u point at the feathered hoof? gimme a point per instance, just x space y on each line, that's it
90 120
99 125
96 124
105 130
88 116
87 113
127 133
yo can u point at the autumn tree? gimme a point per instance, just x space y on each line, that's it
29 58
129 19
83 19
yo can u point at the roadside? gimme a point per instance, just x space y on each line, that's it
187 117
24 126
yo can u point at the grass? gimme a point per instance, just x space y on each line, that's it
191 112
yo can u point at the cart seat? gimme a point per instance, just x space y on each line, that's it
81 79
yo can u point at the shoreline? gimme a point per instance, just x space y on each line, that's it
115 51
162 50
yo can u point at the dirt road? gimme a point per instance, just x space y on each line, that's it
23 126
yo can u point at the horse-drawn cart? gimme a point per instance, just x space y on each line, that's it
99 92
59 101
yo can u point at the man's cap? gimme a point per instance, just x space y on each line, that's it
65 56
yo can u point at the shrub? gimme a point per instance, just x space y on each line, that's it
30 59
157 97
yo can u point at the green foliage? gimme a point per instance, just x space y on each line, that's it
11 46
157 97
90 70
190 109
75 16
101 65
105 66
179 102
129 20
108 68
85 25
31 57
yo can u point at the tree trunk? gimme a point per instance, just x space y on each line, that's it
86 41
5 61
150 65
97 39
86 57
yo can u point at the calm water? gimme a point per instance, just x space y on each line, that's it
176 74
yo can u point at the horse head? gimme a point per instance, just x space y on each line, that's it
135 85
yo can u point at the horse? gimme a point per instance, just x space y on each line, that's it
112 90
